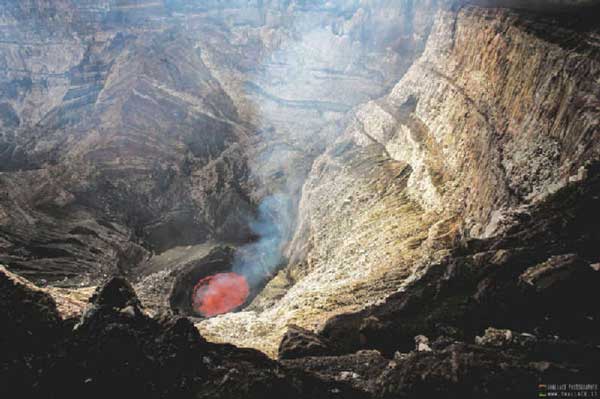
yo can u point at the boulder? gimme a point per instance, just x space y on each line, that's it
499 338
117 293
299 342
557 273
422 344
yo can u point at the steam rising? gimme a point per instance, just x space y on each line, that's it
298 110
333 56
273 225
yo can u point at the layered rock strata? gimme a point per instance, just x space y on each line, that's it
500 111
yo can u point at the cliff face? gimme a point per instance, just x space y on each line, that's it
501 110
127 122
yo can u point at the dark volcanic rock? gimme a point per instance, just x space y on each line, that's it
502 363
119 349
116 349
246 373
505 339
562 272
299 342
469 371
117 292
25 309
553 349
31 330
361 369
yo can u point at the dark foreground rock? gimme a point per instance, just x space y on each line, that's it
361 369
502 364
116 349
471 371
31 327
299 342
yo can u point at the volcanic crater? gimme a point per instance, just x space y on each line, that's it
377 199
209 287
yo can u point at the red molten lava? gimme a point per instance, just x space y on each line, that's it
219 294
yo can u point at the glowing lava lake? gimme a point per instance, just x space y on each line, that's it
219 293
